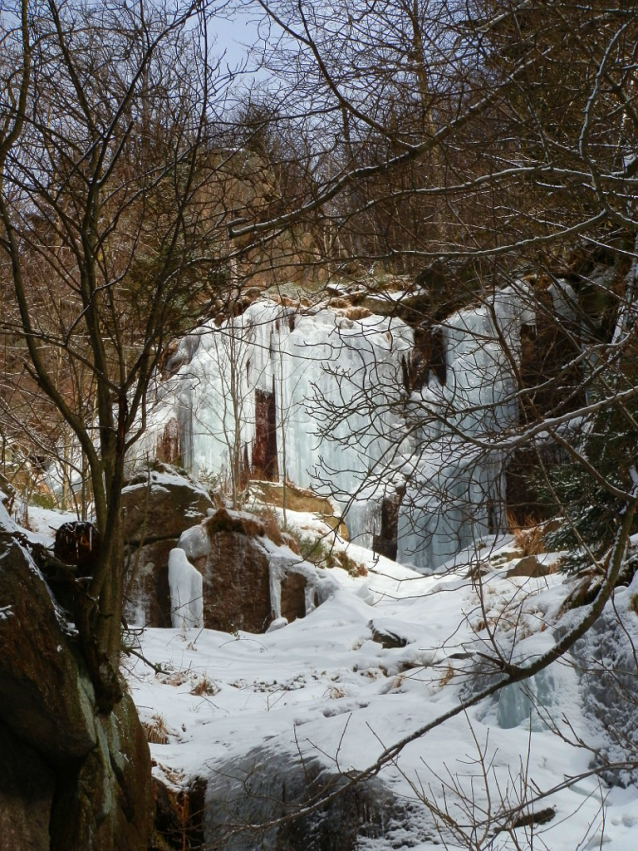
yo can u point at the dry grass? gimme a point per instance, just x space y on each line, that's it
447 676
319 553
156 730
355 313
299 499
354 568
335 693
339 303
176 679
529 536
271 526
205 687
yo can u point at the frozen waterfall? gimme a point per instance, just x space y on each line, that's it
455 491
281 391
321 399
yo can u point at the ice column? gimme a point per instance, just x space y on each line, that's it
455 494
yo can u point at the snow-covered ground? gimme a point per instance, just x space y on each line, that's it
321 688
44 522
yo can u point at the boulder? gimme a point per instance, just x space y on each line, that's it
160 504
78 543
386 636
157 506
530 566
43 698
70 778
249 580
26 794
147 598
108 802
264 785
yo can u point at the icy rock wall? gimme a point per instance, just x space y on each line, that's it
338 399
244 579
455 492
321 399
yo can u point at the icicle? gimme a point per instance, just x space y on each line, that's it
186 590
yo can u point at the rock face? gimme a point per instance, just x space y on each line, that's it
264 454
179 819
385 542
530 566
109 802
26 792
284 354
606 658
147 598
169 444
78 543
249 580
263 786
70 779
157 506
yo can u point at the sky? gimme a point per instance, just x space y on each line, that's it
235 36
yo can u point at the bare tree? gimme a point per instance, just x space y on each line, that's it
108 234
530 171
445 140
507 132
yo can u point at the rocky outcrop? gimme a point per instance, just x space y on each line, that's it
294 498
78 543
70 778
606 660
169 448
249 580
157 506
27 785
385 542
147 598
108 802
161 503
264 454
265 786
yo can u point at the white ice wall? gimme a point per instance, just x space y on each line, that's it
316 361
342 412
456 491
